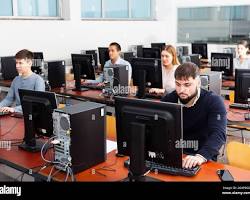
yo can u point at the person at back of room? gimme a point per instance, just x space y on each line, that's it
169 64
243 52
115 59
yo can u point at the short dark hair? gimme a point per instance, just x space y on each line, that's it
118 47
24 54
187 70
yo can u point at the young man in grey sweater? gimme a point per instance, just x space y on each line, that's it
26 80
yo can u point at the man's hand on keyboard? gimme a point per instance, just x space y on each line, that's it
7 109
191 161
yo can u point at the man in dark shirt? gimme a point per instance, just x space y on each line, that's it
204 116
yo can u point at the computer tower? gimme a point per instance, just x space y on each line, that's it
81 134
116 79
8 67
211 81
38 62
182 51
56 73
137 49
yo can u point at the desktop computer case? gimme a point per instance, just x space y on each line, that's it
211 81
82 134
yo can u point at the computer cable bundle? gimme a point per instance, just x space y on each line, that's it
66 166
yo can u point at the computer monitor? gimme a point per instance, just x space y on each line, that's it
242 86
194 58
200 48
151 53
83 69
103 56
182 51
149 131
37 109
56 73
158 45
37 62
128 56
94 54
222 62
8 67
146 72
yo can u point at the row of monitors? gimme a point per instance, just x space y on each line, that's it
84 62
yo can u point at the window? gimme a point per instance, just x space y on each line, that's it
91 9
141 9
117 9
42 8
30 8
223 24
6 8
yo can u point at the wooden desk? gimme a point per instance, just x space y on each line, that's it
23 161
5 83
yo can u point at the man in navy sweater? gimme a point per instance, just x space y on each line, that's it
204 116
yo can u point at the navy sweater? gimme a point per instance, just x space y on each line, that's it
205 122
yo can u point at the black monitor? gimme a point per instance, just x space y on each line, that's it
103 56
194 58
94 54
242 86
83 69
149 131
37 109
128 56
56 73
200 48
151 53
146 72
8 67
158 45
222 62
37 64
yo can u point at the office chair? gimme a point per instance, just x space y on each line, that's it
238 154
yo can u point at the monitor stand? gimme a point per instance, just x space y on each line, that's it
137 167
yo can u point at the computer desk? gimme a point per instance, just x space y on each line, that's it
13 129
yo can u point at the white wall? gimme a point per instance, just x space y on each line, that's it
59 38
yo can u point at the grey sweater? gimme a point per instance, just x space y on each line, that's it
33 82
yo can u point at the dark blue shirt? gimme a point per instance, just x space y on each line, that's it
204 122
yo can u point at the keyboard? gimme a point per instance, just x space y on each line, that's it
241 106
154 95
93 86
160 168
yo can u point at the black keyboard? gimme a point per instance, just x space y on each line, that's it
160 168
93 87
154 95
240 106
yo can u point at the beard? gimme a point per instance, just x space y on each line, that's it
186 100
